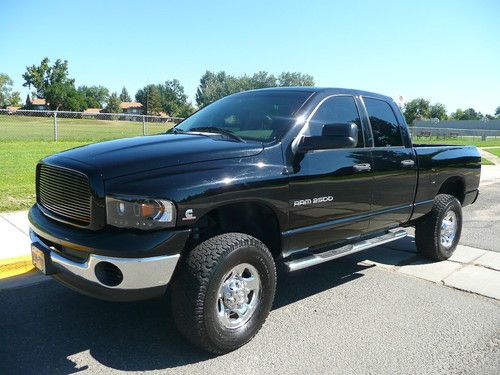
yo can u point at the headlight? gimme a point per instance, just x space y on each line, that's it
139 213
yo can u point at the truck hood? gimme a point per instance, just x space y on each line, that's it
132 155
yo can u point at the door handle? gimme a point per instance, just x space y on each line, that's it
362 167
408 163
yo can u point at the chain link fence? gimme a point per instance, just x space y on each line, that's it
425 133
23 125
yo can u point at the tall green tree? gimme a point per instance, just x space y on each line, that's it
171 98
113 104
62 96
94 96
416 109
150 98
497 112
214 86
295 79
438 110
468 114
124 95
7 96
42 76
174 100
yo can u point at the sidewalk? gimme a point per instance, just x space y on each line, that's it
15 256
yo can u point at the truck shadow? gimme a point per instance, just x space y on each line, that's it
46 327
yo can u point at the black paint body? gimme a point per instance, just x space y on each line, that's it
203 173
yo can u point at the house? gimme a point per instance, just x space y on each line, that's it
131 107
91 112
12 108
39 104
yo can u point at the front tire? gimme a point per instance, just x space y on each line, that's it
437 235
224 291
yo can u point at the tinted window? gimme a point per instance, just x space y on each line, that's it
385 127
337 109
258 115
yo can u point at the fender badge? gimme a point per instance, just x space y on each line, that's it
188 215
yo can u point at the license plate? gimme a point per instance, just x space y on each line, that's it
38 258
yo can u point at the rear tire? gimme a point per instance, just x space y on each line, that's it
224 291
438 233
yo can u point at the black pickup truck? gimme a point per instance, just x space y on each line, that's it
288 176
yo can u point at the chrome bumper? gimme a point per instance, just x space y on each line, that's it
137 273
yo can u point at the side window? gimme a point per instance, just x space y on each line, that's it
385 127
337 109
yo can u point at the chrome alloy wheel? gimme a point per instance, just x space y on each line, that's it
448 229
238 296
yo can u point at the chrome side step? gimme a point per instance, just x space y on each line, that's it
314 259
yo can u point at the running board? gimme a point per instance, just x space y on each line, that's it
314 259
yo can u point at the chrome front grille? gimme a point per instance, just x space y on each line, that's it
65 193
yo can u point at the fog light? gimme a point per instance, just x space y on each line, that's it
108 274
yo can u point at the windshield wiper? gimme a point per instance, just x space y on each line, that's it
214 129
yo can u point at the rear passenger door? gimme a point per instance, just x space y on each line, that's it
394 166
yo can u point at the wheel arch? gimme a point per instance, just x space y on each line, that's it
454 186
251 217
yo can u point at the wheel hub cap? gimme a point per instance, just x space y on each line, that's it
238 296
448 229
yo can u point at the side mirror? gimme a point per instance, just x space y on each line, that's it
339 135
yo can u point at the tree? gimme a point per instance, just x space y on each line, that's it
295 79
124 95
64 96
416 109
214 86
168 97
94 96
497 112
438 110
44 75
7 96
113 104
150 98
468 114
174 99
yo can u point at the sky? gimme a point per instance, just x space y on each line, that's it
444 51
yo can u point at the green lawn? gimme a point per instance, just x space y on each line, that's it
473 141
19 128
17 164
494 151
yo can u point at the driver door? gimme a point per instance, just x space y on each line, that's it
330 190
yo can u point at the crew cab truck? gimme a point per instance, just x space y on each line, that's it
288 176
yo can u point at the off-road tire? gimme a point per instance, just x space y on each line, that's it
196 285
427 230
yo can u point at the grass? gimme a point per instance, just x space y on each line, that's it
494 151
25 128
486 162
472 141
17 163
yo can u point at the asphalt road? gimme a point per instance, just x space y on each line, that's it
339 317
481 227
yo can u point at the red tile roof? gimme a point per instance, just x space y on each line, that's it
127 105
38 101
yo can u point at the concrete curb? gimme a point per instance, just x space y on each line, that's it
15 266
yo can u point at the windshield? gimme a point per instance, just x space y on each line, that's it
258 115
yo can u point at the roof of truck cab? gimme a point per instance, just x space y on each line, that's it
326 91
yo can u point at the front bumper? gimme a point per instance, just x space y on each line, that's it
133 266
